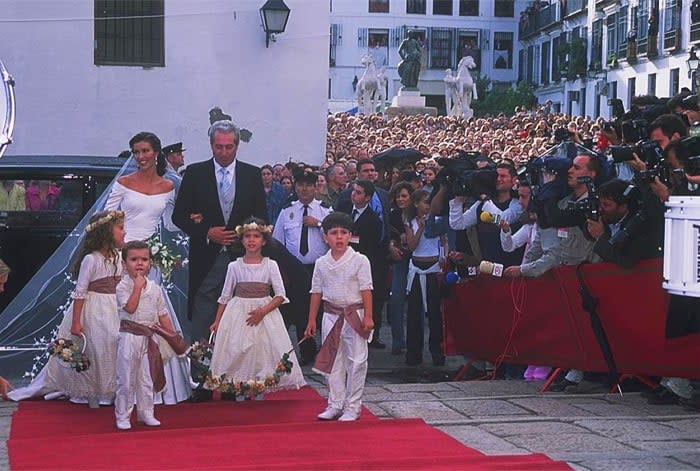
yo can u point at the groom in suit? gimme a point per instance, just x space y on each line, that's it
215 196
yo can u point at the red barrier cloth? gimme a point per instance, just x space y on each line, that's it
554 329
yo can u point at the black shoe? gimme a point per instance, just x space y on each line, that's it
663 396
201 395
396 351
561 385
438 361
378 344
414 361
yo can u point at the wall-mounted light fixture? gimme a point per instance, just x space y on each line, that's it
274 15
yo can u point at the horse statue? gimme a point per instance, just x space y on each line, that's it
466 87
367 86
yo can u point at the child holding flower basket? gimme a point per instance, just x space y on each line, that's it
250 333
93 313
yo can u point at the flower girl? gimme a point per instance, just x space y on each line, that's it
250 333
93 313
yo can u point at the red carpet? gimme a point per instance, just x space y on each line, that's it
280 432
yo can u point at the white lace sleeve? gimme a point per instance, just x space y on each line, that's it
229 284
276 281
86 274
114 201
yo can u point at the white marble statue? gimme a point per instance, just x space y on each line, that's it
466 87
367 86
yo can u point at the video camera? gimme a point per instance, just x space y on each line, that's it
688 152
588 206
463 178
648 151
556 167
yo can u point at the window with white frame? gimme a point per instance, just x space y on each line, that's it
502 50
378 46
416 7
379 6
440 50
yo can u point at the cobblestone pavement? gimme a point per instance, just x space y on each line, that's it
589 431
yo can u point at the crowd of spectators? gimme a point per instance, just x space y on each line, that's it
410 200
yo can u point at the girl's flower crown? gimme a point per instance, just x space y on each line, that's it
253 226
111 216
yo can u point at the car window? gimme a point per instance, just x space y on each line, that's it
40 203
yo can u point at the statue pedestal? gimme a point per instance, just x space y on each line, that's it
409 102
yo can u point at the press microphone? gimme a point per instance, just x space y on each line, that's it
490 218
490 268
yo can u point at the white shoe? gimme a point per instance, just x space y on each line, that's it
150 421
331 413
349 417
123 424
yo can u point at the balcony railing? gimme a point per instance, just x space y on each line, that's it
539 20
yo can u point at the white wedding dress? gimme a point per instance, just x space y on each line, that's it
143 215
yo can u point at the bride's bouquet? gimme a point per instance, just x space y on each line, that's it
162 257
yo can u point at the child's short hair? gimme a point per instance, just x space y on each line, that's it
336 219
135 245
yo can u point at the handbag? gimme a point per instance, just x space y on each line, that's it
175 340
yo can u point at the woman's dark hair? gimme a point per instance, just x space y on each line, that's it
154 141
396 189
266 166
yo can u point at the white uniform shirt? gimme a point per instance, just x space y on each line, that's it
288 230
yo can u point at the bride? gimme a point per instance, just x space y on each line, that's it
147 199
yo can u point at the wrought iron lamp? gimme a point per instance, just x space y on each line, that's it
274 15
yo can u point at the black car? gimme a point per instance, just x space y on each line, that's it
42 198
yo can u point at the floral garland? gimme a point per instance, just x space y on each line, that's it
253 226
162 257
104 219
70 352
201 352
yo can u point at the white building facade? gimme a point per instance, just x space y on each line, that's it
580 53
91 73
449 30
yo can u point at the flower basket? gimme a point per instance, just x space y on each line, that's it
71 353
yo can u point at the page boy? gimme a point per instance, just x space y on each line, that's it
343 280
141 304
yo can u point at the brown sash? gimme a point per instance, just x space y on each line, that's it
155 362
252 289
329 350
106 285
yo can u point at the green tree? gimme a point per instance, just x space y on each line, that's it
501 100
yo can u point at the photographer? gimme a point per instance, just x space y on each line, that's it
627 231
502 205
664 130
